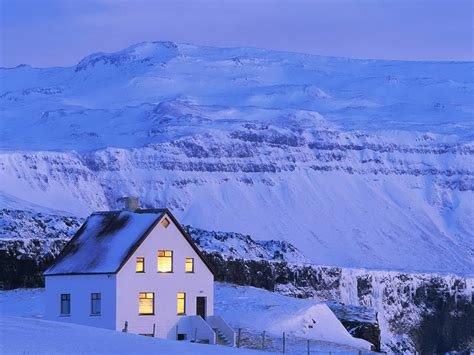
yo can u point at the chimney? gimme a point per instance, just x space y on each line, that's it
131 203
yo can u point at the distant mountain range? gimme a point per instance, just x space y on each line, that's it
358 163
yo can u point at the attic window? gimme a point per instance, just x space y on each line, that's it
165 261
140 265
165 222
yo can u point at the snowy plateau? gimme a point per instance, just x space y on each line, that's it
356 173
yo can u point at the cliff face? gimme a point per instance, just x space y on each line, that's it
402 302
408 203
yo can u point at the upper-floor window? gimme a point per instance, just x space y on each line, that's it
181 306
95 304
65 304
165 261
140 265
146 303
189 265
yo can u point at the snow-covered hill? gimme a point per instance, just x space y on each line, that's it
358 163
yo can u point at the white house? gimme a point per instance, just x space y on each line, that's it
136 271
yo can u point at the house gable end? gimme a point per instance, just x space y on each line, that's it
169 216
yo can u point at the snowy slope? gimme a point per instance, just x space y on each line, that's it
35 336
260 310
358 163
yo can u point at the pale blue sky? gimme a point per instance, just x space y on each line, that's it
61 32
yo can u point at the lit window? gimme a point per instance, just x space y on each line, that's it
165 222
146 303
181 303
95 303
65 304
140 265
189 266
165 261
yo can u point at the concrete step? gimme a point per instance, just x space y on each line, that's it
221 338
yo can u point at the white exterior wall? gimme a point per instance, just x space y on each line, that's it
80 288
164 285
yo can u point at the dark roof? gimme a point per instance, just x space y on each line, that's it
107 240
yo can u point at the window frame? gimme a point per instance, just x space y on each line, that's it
142 262
92 303
146 293
65 297
164 256
186 264
184 303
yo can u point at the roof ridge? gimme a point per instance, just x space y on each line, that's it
140 210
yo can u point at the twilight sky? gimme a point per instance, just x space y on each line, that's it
61 32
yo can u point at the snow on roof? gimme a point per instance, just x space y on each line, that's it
104 241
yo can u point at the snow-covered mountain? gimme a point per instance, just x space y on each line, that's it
358 163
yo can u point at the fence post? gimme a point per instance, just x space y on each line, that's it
195 334
263 340
308 347
154 329
284 342
238 337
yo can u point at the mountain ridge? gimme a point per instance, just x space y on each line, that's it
358 163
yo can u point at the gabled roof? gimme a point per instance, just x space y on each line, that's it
107 240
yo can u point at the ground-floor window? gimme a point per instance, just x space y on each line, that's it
146 303
65 304
95 303
181 303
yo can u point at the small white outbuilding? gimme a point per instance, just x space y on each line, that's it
136 271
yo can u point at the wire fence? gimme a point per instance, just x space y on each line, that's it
286 343
290 344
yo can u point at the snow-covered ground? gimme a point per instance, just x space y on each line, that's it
254 310
34 336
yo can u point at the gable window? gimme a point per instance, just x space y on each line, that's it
146 303
140 265
189 265
65 304
181 306
165 261
165 222
95 304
